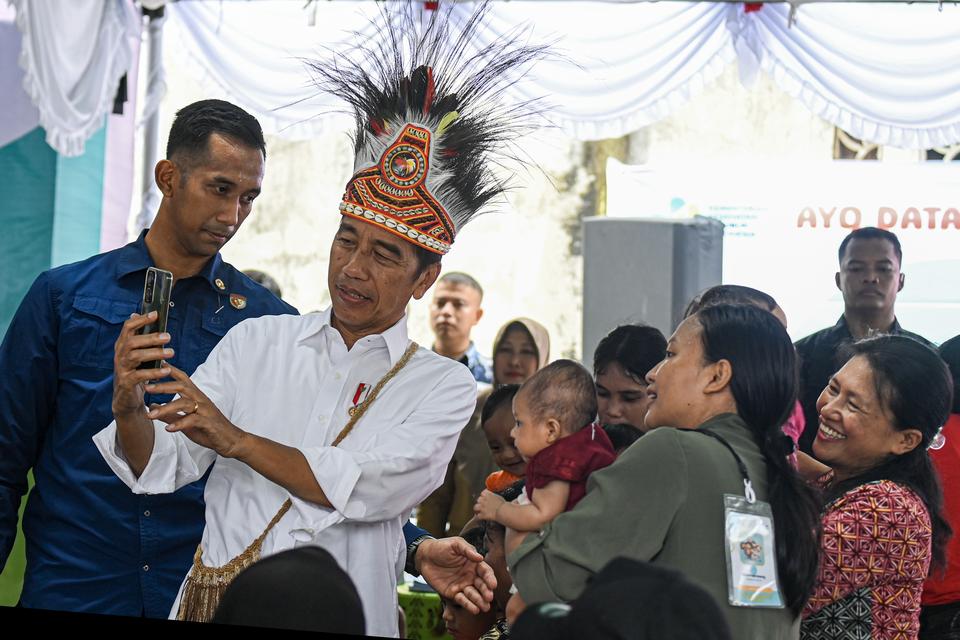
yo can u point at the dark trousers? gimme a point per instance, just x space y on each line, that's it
940 622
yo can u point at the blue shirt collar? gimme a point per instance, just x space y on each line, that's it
472 356
135 257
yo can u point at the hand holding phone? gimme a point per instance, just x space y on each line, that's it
157 287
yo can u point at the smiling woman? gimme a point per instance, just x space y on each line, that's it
883 528
521 348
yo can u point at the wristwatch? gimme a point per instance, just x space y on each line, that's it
411 566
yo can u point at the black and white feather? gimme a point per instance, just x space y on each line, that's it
419 67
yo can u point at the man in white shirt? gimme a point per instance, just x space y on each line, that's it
327 429
291 385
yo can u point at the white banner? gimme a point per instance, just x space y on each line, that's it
784 224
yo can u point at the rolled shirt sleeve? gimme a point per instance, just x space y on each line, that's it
176 461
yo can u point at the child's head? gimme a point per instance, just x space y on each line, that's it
460 623
556 402
496 418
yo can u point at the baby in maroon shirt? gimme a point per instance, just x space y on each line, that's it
556 434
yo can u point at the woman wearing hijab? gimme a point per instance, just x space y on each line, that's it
521 348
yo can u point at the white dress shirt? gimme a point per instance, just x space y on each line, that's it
291 379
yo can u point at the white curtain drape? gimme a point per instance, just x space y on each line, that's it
73 55
886 73
624 66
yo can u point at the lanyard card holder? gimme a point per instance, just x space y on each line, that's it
749 546
751 552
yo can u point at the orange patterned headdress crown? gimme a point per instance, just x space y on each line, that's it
430 121
394 193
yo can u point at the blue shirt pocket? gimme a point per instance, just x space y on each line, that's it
90 328
196 346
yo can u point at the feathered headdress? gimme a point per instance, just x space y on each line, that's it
430 118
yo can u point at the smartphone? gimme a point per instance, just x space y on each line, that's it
156 297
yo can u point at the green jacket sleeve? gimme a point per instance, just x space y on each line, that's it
627 511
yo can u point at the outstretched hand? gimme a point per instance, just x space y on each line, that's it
195 415
454 568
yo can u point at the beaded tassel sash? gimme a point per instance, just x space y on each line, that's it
205 585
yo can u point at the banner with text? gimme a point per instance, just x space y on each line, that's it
784 224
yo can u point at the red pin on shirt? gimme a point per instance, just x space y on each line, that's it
363 390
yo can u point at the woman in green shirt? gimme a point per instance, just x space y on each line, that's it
730 370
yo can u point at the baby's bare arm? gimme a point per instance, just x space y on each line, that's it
545 504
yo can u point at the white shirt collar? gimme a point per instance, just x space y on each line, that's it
395 338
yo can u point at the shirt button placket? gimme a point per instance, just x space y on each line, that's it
147 550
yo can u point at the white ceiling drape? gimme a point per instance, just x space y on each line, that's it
888 73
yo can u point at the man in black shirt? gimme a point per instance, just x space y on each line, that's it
869 278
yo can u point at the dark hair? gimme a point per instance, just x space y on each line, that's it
509 494
622 435
496 399
637 348
302 589
425 258
265 280
871 233
474 536
464 279
916 388
764 386
730 294
950 352
195 123
563 390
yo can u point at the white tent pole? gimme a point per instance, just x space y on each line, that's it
150 119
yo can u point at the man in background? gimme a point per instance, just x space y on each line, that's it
455 311
870 279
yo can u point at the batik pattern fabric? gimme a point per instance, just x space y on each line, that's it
875 555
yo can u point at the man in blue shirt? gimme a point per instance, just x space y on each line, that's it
91 544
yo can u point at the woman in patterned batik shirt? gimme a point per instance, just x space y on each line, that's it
882 527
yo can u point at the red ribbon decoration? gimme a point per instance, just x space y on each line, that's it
750 7
431 90
431 6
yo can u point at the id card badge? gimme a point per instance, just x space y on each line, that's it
751 553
